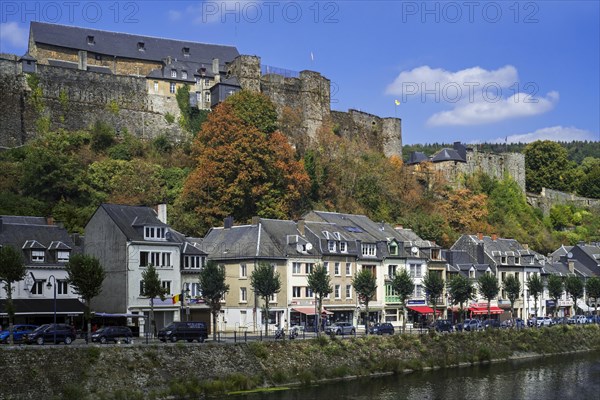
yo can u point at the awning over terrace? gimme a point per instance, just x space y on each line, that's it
483 310
309 311
44 307
424 309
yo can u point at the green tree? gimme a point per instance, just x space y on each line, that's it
535 286
404 286
574 288
320 283
512 286
85 274
213 288
12 269
589 184
365 285
255 109
489 288
555 290
152 289
265 283
592 288
547 165
434 287
461 290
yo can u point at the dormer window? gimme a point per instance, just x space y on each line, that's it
90 40
154 233
472 274
343 247
183 74
337 236
331 246
38 256
62 256
393 247
368 250
435 254
517 260
186 51
503 260
141 46
173 73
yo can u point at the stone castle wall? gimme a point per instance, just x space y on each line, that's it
549 198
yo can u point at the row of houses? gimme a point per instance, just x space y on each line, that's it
126 239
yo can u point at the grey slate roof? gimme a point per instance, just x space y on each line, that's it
417 157
132 219
126 45
447 155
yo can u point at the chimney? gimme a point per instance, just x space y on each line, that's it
255 220
228 222
525 246
161 210
50 220
398 227
82 58
479 236
300 226
494 237
572 266
215 66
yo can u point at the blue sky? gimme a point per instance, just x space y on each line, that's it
470 71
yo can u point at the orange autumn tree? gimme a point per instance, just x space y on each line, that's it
242 171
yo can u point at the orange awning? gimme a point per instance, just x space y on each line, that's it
309 310
483 310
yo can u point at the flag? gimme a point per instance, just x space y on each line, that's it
397 102
176 299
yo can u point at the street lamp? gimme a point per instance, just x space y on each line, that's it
49 285
185 289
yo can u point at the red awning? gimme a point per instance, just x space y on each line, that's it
424 309
483 310
309 310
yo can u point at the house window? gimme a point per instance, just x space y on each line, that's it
166 260
415 270
326 265
62 287
517 260
392 270
142 292
37 256
192 262
243 295
243 271
173 73
503 260
37 287
207 96
141 46
368 250
348 291
309 268
418 290
154 233
331 246
309 292
183 74
186 51
393 249
296 291
90 40
337 292
503 276
62 256
207 82
156 258
343 247
472 274
348 269
172 87
435 254
296 268
155 87
336 269
167 286
273 298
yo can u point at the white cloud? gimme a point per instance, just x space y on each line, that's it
174 15
556 133
12 33
484 111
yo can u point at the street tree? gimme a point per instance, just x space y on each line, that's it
212 287
434 287
512 286
404 286
320 283
574 288
489 288
12 269
556 288
265 283
152 289
461 290
85 274
365 285
535 286
592 288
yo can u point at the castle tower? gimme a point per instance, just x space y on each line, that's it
247 70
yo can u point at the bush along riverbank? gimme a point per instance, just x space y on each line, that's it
198 371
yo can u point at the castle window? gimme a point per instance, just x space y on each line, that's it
90 40
186 51
141 46
172 87
155 87
98 57
183 74
173 73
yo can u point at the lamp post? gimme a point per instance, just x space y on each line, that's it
185 289
49 285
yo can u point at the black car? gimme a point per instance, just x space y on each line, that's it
490 323
443 325
382 329
112 334
48 332
189 331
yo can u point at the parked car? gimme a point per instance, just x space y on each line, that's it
112 334
46 333
544 321
580 319
506 324
443 325
189 331
340 328
593 319
490 323
559 320
472 325
19 333
382 328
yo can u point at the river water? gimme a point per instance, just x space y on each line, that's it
565 377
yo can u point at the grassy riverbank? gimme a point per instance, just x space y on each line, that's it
146 372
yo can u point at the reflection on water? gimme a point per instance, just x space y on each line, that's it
574 376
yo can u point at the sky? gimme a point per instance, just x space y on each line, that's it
469 71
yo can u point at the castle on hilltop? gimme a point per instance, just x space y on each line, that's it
130 81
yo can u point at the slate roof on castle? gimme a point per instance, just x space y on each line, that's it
126 45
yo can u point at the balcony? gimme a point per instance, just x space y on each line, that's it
392 299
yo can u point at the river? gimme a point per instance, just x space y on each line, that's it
564 377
